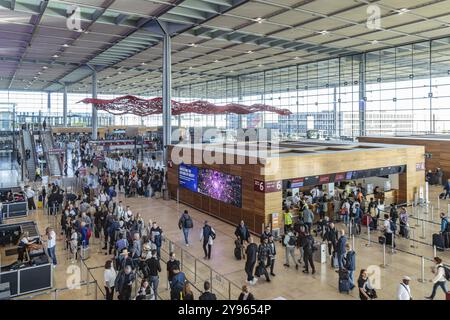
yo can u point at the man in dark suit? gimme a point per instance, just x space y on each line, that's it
207 295
251 252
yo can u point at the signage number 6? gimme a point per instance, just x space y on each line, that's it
261 186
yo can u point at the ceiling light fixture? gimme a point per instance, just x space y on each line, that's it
87 31
374 42
296 58
193 45
249 51
143 64
216 61
55 56
44 67
231 71
65 45
120 72
259 20
39 73
190 67
260 65
324 32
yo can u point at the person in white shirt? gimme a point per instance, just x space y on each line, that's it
29 193
109 276
439 280
296 199
51 244
404 291
119 211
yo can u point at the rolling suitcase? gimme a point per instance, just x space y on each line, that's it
237 250
438 242
381 239
344 282
442 195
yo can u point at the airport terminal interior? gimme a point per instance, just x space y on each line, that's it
224 149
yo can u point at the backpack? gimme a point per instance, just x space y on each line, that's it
188 223
88 233
292 241
446 272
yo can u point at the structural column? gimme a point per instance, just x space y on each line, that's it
94 119
65 106
335 113
240 101
167 91
362 95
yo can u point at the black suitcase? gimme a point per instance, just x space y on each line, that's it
381 239
237 250
344 282
442 195
438 242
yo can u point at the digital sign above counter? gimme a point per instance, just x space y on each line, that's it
342 176
214 184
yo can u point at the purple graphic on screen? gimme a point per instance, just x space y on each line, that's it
220 186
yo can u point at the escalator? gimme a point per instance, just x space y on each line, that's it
53 160
30 163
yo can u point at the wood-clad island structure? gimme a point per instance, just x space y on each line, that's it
264 168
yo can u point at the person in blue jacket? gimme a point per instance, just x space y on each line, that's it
350 264
444 222
341 248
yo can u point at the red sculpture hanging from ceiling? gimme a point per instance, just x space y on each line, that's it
142 107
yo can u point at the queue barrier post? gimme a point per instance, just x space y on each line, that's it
434 251
438 202
87 282
423 230
195 270
432 213
368 235
422 269
384 255
353 242
393 242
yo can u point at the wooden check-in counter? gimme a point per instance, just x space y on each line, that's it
262 177
436 146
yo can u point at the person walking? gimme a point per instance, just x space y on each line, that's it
245 294
109 276
186 224
272 254
290 240
403 290
263 254
350 264
308 218
287 220
207 235
124 283
331 237
177 284
29 193
207 294
341 249
171 265
51 244
442 275
308 249
251 253
154 268
242 232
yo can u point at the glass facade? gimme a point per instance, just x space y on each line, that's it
400 90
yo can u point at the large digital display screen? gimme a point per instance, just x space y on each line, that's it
220 186
188 177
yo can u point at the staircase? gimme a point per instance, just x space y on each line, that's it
53 160
31 162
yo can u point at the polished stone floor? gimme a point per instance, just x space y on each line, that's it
228 274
